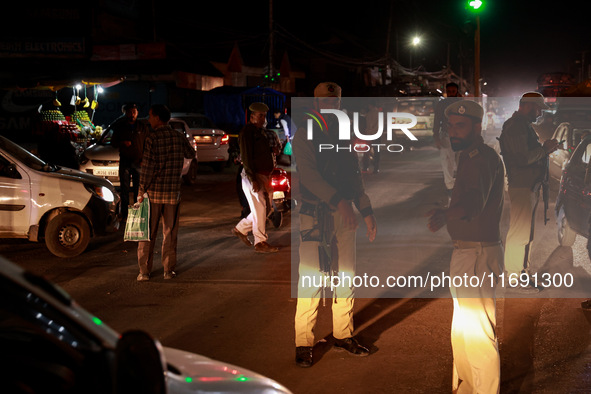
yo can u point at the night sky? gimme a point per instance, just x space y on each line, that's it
519 39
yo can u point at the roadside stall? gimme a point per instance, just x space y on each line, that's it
65 131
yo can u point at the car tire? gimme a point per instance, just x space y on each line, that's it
190 177
566 235
67 235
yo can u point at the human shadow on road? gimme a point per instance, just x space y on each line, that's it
530 347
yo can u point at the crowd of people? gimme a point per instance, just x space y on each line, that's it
331 185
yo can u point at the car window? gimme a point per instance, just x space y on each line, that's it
560 136
45 349
178 126
106 137
417 107
578 136
586 154
23 155
198 122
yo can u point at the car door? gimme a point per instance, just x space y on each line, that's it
577 195
15 199
562 154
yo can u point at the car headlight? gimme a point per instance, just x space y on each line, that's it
101 192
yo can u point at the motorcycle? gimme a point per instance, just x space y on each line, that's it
281 198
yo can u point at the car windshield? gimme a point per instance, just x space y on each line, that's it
24 156
416 107
105 138
197 122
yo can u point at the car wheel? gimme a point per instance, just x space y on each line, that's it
566 235
190 177
67 235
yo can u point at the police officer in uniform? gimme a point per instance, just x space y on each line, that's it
441 137
526 161
330 184
472 220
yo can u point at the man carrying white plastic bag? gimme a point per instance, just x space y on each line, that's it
160 177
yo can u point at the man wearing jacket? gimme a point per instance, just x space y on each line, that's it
258 162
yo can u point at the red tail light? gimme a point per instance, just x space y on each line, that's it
225 139
280 182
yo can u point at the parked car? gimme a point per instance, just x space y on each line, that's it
212 143
50 344
41 201
102 158
423 108
568 137
573 204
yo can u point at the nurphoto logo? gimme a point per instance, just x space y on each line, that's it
344 122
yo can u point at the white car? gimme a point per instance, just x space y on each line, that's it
102 158
212 143
50 344
65 207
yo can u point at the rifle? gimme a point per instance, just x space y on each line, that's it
546 188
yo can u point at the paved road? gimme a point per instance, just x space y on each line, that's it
233 305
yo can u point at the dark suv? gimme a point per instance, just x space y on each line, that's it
573 204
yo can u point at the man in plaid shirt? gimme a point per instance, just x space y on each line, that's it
160 177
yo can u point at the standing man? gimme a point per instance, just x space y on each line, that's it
129 136
526 161
449 158
472 220
330 184
258 161
160 178
282 121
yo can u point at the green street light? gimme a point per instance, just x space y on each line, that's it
475 5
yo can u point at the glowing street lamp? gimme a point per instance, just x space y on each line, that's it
415 42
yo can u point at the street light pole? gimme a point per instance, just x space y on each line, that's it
477 58
476 7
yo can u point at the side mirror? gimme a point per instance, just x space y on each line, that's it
140 364
10 171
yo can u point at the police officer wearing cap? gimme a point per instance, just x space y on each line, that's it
129 136
472 220
330 184
449 159
258 161
526 163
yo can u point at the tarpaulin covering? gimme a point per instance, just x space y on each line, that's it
227 106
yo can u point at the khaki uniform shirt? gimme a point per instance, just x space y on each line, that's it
479 190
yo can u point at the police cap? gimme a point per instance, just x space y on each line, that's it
327 89
470 109
534 98
258 107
